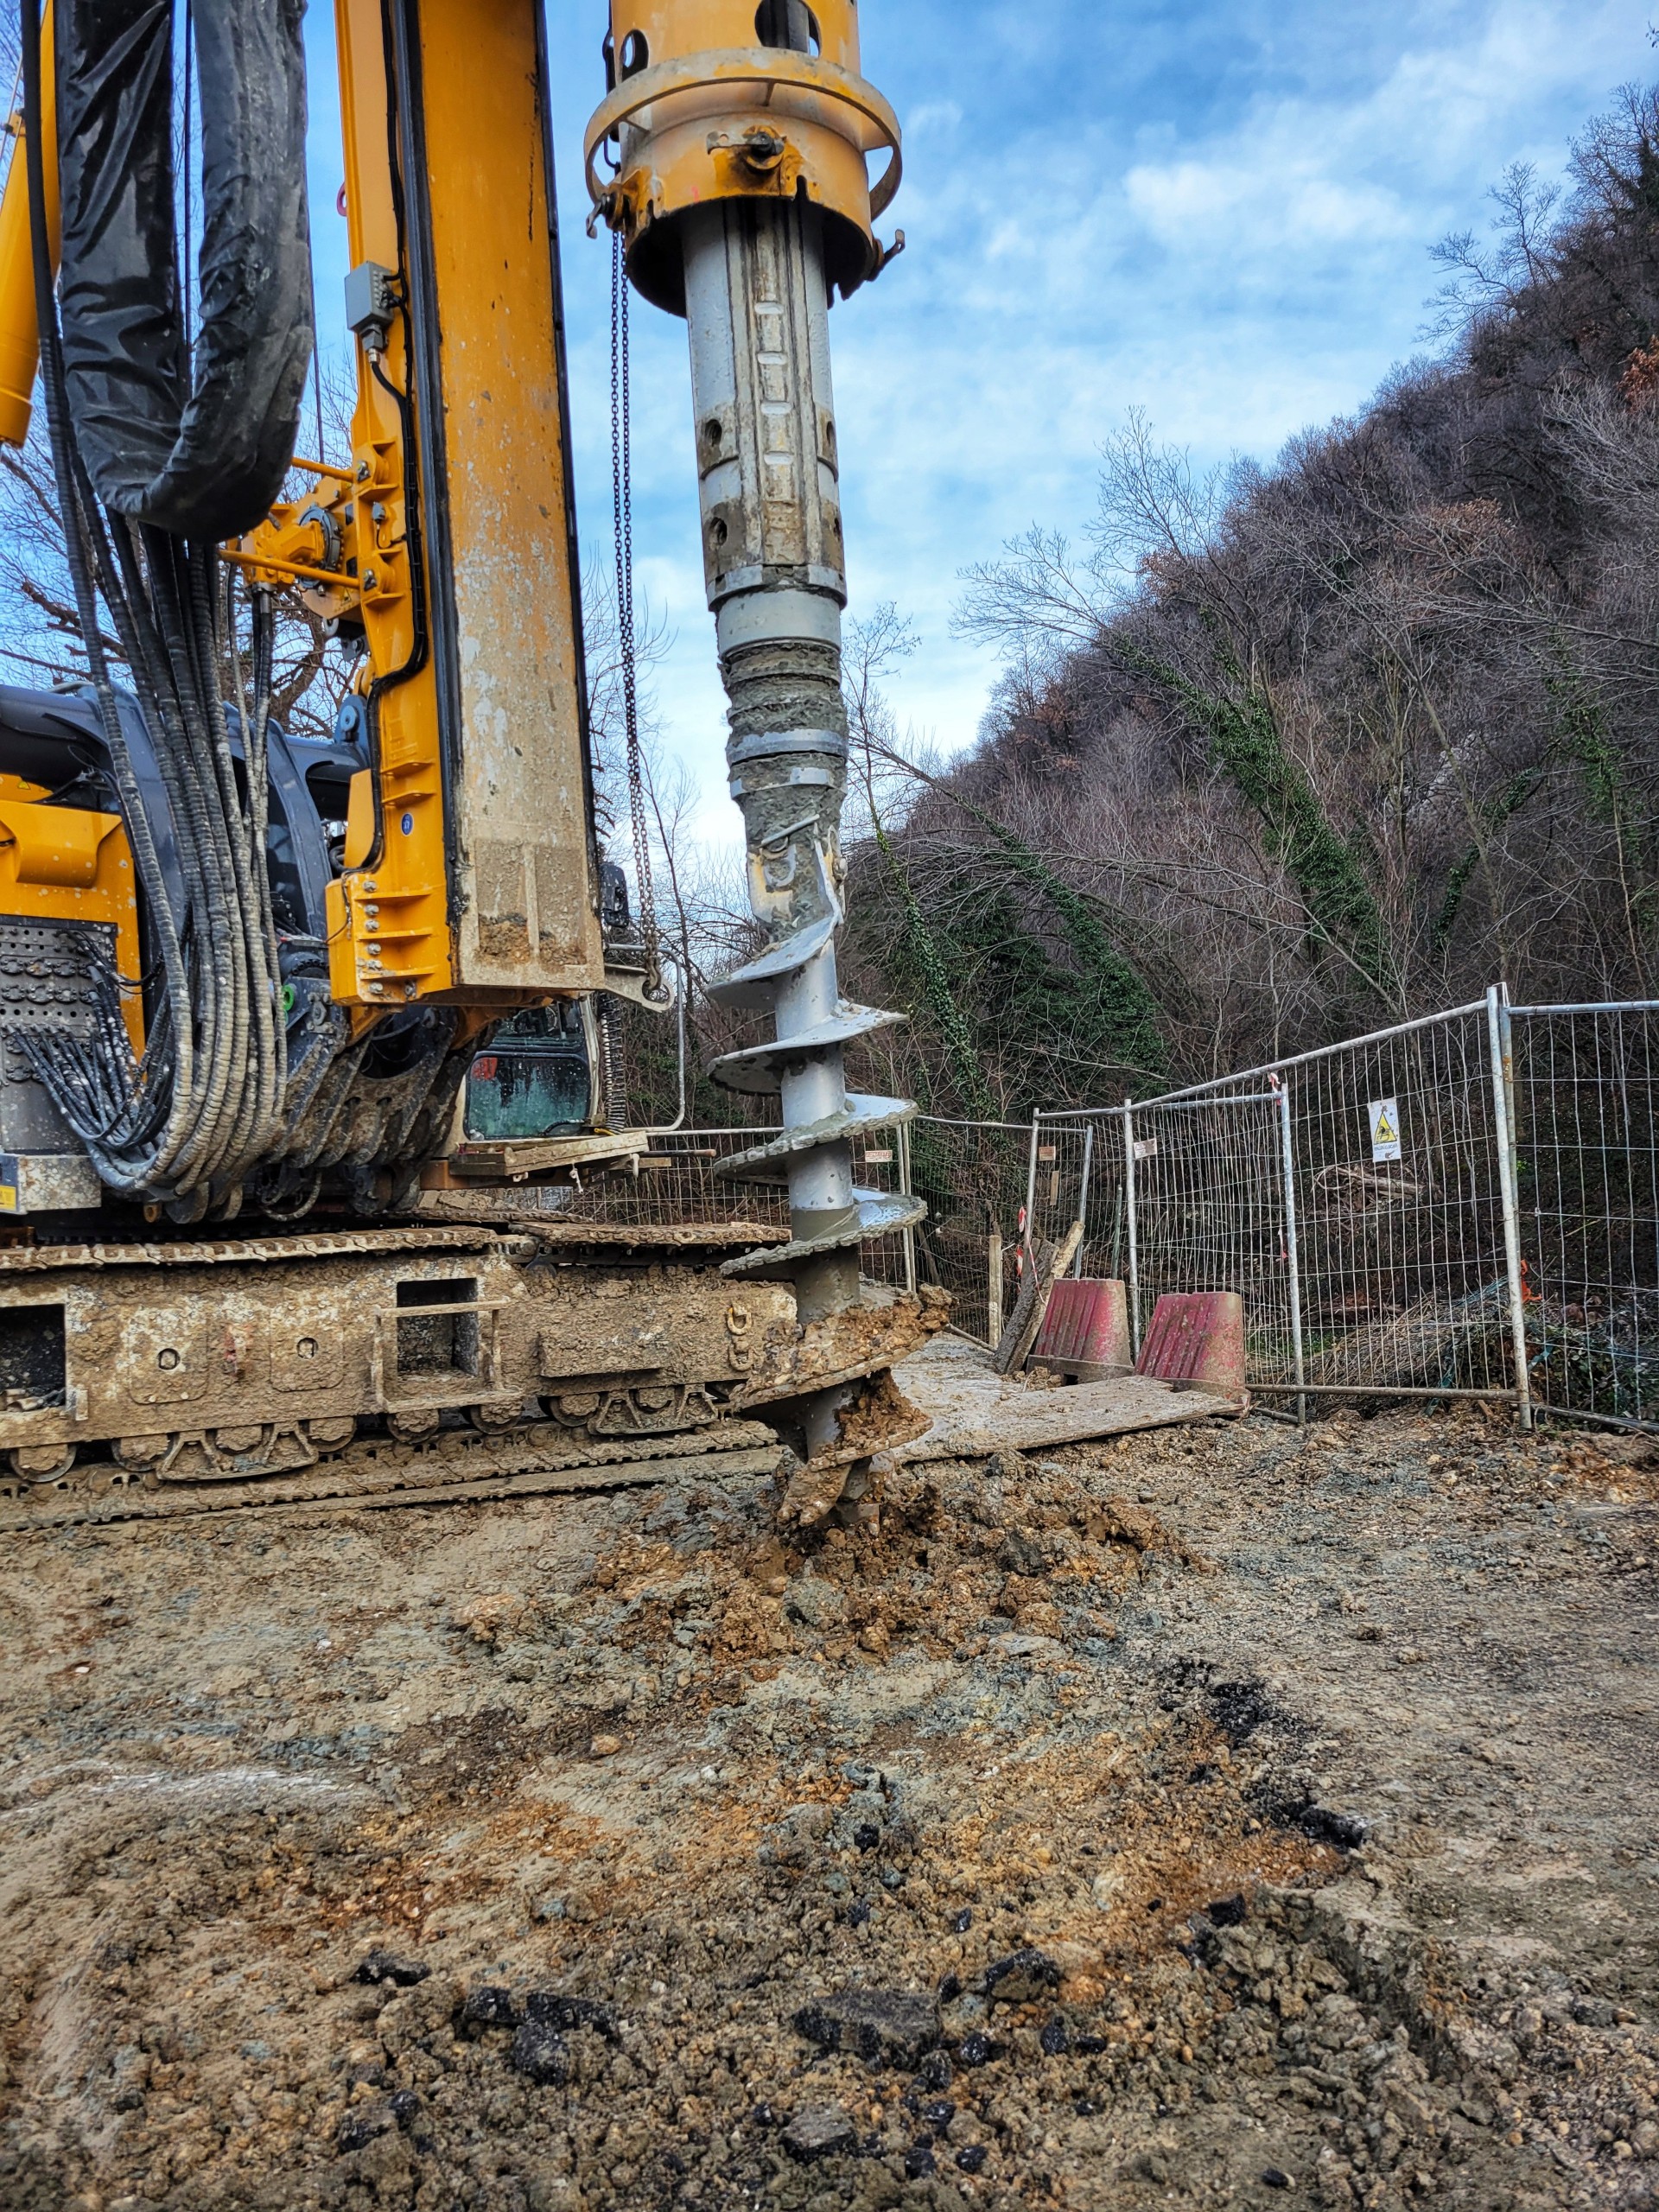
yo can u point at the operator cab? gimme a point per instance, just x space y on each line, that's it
536 1080
538 1077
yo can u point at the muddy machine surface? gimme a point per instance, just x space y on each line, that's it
260 999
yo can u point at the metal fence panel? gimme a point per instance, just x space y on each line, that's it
1209 1215
974 1177
1181 1196
1399 1207
1353 1197
1587 1158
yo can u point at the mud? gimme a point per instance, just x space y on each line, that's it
1214 1817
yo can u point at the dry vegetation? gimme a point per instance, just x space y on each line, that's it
1291 751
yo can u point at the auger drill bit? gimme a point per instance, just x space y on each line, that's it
741 190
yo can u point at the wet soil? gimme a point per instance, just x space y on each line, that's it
1221 1816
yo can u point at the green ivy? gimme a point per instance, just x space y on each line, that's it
1582 735
1246 745
1496 812
922 954
1121 1027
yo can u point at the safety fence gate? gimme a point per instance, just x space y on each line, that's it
1465 1206
1354 1199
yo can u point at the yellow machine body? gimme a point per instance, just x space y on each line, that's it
702 110
472 877
20 329
470 870
478 883
71 864
145 1378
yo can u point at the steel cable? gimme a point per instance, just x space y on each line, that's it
622 518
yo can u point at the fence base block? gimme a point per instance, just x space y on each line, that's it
1196 1340
1085 1332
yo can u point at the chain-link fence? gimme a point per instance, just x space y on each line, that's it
1463 1205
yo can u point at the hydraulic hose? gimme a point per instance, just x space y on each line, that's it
213 1110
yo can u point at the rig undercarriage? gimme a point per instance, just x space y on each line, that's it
377 1364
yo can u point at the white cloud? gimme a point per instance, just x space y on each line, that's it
1255 203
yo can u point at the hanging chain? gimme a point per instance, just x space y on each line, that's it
622 517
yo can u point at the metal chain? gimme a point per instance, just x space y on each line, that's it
622 517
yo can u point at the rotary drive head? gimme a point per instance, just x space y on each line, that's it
721 99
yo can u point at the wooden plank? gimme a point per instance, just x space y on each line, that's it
975 1411
544 1155
1049 1263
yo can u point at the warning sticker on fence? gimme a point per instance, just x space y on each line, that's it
1385 1128
1146 1147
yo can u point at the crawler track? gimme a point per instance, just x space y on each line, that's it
455 1465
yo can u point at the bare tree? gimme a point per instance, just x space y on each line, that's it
1345 738
40 627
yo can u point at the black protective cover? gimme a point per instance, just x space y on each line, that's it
199 450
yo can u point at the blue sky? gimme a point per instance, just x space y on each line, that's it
1217 213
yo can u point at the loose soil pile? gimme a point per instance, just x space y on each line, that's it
1219 1817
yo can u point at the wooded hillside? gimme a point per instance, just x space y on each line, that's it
1299 750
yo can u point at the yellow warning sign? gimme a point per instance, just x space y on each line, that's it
1385 1128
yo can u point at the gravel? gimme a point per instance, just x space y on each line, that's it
1288 1831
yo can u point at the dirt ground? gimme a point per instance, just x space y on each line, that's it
1221 1816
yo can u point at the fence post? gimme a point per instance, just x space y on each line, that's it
1083 1195
1498 1031
1134 1239
1293 1257
906 1190
994 1285
1030 1239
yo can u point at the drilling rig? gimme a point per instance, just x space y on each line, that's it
252 988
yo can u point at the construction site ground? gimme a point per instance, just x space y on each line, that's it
1219 1815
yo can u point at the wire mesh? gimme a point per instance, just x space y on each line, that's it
1399 1212
677 1179
973 1176
1587 1186
1066 1175
1376 1159
1203 1209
